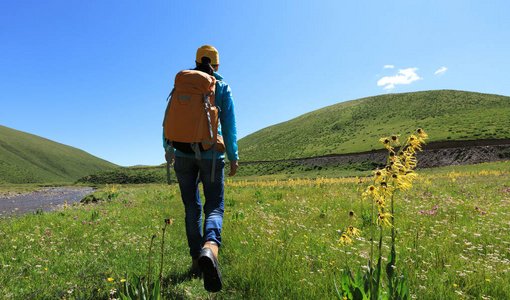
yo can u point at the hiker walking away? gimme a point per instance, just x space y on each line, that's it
206 166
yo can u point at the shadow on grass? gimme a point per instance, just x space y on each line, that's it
171 285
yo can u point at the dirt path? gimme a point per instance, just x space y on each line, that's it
439 154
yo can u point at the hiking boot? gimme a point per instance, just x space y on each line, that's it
208 263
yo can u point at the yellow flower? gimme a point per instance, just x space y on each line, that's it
408 159
392 155
383 219
386 143
384 189
400 182
414 144
111 279
422 133
123 280
454 285
394 140
372 190
488 280
353 231
345 239
380 204
379 175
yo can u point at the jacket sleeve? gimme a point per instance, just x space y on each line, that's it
228 124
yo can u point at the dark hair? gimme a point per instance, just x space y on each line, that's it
205 66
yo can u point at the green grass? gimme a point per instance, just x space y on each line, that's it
253 171
26 158
129 175
280 239
356 126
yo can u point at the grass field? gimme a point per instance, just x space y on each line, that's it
281 239
356 126
27 158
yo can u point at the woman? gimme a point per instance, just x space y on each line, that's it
190 171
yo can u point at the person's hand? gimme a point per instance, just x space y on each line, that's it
233 168
169 158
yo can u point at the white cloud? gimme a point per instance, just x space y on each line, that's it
405 76
388 67
441 71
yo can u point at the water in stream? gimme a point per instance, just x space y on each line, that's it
45 200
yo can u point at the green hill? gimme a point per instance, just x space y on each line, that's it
26 158
356 126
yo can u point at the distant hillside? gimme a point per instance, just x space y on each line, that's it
26 158
356 126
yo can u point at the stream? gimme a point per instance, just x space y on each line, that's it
46 200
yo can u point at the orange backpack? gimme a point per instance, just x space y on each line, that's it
191 118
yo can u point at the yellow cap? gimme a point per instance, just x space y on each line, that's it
210 52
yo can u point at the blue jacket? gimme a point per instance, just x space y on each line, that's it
223 99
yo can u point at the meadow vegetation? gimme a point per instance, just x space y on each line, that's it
282 239
253 171
26 158
356 126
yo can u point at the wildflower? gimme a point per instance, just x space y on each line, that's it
110 279
384 189
345 239
382 220
488 280
168 221
386 143
400 182
394 140
381 203
414 144
408 160
353 231
371 190
48 232
75 217
392 155
422 133
379 175
351 214
123 280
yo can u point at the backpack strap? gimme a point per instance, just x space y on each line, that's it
196 148
207 104
169 150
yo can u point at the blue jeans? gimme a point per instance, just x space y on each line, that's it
190 172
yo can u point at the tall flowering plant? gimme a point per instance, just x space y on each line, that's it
398 175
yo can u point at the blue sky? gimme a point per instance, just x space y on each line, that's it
95 74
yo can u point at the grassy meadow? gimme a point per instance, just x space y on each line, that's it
281 239
26 158
356 126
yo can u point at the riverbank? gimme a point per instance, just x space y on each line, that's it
44 199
